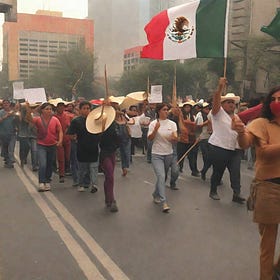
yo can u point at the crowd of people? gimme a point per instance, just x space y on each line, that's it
75 139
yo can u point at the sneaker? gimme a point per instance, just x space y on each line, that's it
93 189
47 187
41 187
157 200
174 187
81 189
214 196
195 174
203 176
61 179
114 207
165 207
238 199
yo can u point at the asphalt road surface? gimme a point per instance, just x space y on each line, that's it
64 234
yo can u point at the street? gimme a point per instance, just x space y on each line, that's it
64 234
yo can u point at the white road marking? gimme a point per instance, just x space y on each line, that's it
89 241
149 183
84 262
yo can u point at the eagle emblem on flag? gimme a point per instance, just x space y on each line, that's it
180 30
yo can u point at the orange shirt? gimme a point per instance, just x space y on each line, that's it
265 132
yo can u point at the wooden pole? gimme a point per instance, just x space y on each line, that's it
187 152
174 92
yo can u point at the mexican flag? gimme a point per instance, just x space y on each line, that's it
273 29
195 29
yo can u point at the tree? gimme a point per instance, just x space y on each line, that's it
70 66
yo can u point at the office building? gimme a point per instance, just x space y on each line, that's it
34 41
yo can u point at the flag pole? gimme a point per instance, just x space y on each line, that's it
225 67
174 92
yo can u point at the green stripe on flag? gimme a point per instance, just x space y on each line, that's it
210 28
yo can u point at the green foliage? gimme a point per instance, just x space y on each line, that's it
70 67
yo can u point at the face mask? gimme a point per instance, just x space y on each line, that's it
275 108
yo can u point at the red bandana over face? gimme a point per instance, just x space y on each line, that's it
275 108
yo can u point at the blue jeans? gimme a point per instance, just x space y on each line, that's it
174 167
46 156
88 169
8 143
34 152
161 164
125 149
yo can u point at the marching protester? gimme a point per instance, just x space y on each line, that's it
102 121
63 151
87 149
123 132
264 134
27 134
7 133
49 137
163 132
224 149
204 136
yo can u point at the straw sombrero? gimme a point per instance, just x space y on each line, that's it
99 119
133 98
116 99
56 101
230 96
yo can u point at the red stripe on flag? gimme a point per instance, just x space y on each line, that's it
155 31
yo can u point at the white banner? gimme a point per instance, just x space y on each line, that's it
156 94
18 88
34 95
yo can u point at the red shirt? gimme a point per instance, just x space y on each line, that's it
47 136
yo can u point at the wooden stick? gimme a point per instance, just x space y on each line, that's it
174 92
186 153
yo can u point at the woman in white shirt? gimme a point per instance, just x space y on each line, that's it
163 132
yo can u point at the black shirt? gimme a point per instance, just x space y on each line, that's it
87 143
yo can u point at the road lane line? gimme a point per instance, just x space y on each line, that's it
149 183
89 241
84 262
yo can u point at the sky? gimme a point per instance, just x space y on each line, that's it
70 8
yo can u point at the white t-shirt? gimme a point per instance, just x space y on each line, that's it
161 145
223 136
135 129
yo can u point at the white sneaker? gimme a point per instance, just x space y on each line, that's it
47 187
81 189
41 187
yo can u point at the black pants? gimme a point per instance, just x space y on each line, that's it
222 159
205 150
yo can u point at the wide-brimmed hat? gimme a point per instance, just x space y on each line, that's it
133 98
230 96
116 99
31 105
99 119
189 102
59 100
205 104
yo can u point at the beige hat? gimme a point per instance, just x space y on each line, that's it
230 96
56 101
99 119
116 99
133 98
189 102
205 104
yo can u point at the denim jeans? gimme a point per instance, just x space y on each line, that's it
46 156
149 150
108 165
74 162
174 167
205 150
8 143
161 164
125 150
88 169
34 152
222 159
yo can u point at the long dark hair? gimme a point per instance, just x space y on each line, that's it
159 106
266 112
